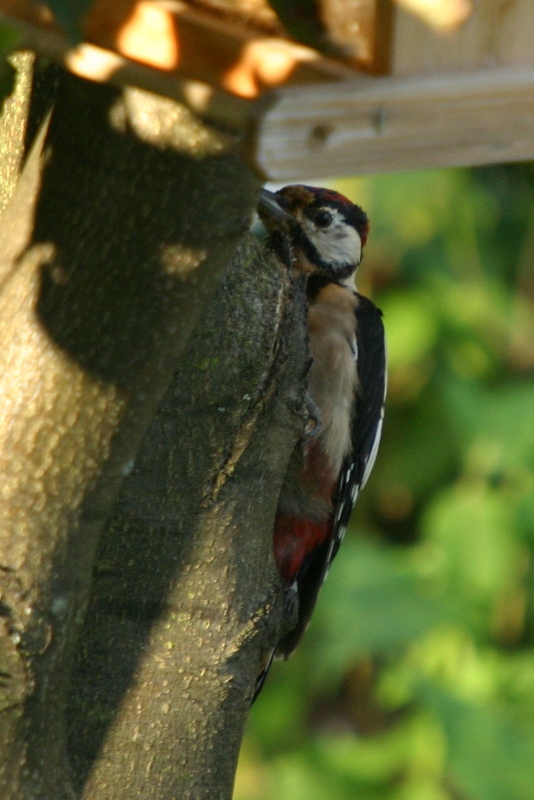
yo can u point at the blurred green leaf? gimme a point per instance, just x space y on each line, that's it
9 41
411 327
387 756
374 602
472 528
415 452
9 38
491 757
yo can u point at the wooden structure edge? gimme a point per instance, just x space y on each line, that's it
327 127
386 124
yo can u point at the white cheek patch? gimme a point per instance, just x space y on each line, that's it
338 244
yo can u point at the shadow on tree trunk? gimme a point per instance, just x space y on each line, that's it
114 239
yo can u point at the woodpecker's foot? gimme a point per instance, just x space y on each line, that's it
290 616
308 367
314 423
307 411
312 415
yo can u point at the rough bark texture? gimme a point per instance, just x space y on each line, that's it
14 125
111 244
186 597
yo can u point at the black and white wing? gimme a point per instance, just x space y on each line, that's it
368 416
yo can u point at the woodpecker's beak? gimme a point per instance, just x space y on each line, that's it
272 205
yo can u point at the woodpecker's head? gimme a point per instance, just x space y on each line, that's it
325 230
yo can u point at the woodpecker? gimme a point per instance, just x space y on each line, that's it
320 233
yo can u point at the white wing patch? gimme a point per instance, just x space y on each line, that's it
374 450
376 443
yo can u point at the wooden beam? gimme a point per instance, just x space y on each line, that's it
385 124
325 128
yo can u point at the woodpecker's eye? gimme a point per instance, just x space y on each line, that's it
323 218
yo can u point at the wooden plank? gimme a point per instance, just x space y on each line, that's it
496 34
386 124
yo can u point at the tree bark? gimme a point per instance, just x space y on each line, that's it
186 597
113 241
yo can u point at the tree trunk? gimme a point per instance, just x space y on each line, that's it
113 241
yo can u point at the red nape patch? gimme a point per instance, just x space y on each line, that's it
294 538
336 197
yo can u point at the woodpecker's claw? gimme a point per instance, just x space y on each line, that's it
312 415
314 423
307 368
305 408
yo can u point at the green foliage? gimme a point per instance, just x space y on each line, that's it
9 41
416 678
